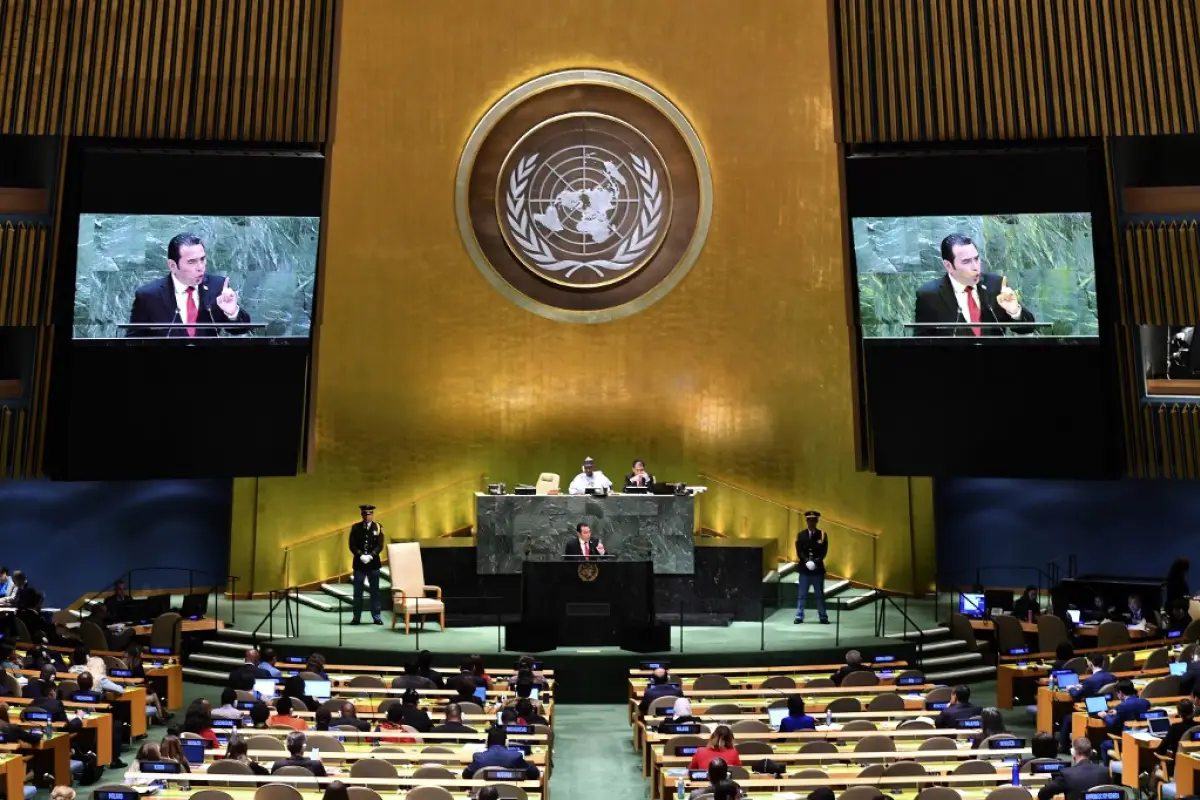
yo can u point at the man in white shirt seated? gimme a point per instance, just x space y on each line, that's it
590 478
228 708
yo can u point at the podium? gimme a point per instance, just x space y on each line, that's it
599 601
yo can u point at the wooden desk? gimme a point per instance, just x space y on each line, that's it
12 773
1006 677
1187 763
186 626
1137 756
1031 628
170 676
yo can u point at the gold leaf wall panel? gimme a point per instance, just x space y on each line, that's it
934 70
1162 269
425 374
246 70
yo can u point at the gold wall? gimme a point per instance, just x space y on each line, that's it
427 378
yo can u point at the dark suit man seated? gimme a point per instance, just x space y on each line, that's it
296 743
1076 779
582 544
1129 709
243 677
854 663
497 754
186 295
638 476
350 717
1187 681
453 722
658 687
960 708
1088 687
968 294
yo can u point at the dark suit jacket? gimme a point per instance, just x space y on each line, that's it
812 546
366 542
1091 686
655 691
841 674
453 727
936 303
18 733
316 767
416 719
361 724
631 481
155 302
58 712
1074 781
953 714
499 756
1126 711
243 676
573 548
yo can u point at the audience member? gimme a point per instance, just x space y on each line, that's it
1177 583
991 724
1026 608
133 662
497 754
267 663
718 771
198 720
16 733
523 713
854 663
349 716
296 744
682 712
1089 687
283 715
62 793
488 793
172 750
260 714
659 686
453 722
425 669
394 721
720 745
1062 654
336 790
797 719
1170 743
1076 779
1134 614
244 675
238 749
1178 615
960 708
228 708
465 686
1042 746
294 687
412 679
321 719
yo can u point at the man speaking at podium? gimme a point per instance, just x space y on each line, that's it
186 295
968 294
583 544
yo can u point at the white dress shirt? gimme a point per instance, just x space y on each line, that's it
960 294
181 298
598 480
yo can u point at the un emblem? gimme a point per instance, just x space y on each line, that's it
588 572
584 196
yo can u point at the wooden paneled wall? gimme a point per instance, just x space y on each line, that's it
247 70
939 70
24 302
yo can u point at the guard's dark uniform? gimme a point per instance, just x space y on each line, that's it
366 539
811 545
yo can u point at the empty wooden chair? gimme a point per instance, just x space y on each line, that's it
226 767
714 709
709 683
372 768
1166 686
886 702
844 705
210 794
863 678
871 771
428 793
1009 633
909 724
904 769
410 593
293 771
938 694
753 748
819 683
875 744
1123 662
809 775
861 793
1052 631
1159 659
278 791
434 773
264 742
366 682
326 744
1009 793
860 725
778 682
363 793
939 793
745 726
1112 634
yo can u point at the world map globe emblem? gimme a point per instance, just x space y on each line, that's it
584 200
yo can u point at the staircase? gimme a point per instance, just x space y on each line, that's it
946 660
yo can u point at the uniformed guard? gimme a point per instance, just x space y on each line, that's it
811 546
366 543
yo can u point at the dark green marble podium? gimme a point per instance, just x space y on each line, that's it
512 529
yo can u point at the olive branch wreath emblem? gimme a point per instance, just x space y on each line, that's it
633 247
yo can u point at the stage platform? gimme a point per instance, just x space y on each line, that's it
588 674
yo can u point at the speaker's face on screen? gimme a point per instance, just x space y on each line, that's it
967 266
189 269
585 533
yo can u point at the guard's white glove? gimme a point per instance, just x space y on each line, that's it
810 564
366 559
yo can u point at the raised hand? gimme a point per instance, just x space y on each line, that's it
1007 299
227 301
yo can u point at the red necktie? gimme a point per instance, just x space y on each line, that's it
585 551
192 312
973 309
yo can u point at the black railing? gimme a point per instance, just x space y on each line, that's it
291 614
881 609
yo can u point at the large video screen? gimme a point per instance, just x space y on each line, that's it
976 276
192 276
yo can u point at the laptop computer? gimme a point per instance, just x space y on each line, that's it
775 717
1159 726
1073 614
318 690
1065 679
265 688
1177 667
1095 705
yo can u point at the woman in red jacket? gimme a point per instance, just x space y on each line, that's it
720 745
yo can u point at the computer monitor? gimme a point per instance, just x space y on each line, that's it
264 688
318 690
193 750
194 606
999 598
775 717
1177 667
972 604
1073 614
1095 705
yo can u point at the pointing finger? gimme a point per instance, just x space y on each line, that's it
1003 283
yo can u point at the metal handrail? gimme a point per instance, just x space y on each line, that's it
286 597
881 618
840 524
